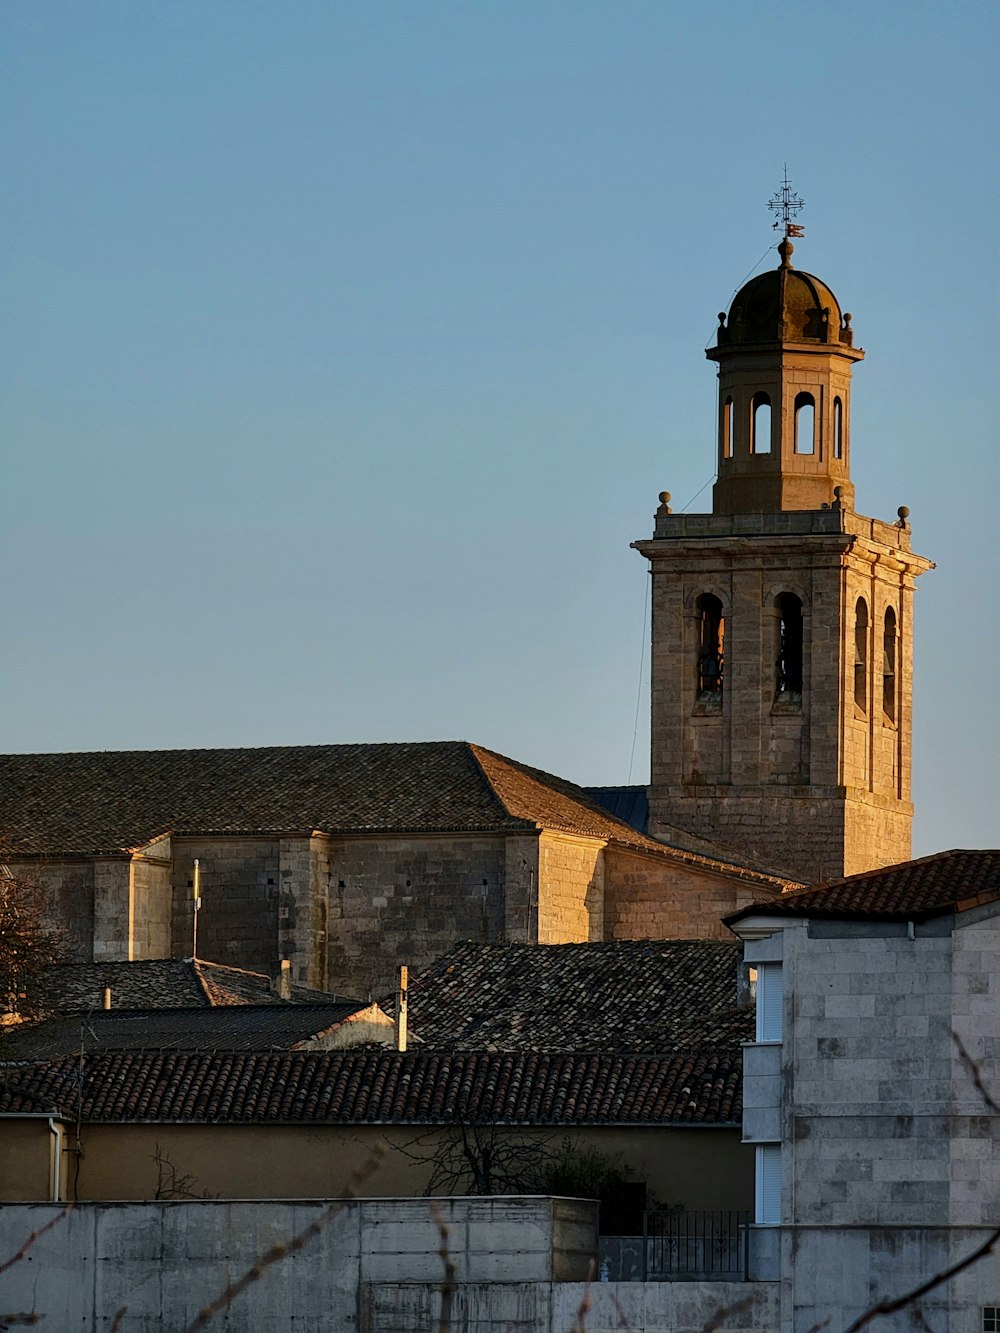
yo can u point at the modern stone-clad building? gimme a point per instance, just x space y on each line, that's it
870 1092
782 622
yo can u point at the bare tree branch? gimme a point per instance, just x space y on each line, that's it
586 1301
972 1069
295 1243
448 1284
35 1235
901 1302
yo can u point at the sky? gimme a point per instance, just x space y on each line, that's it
346 347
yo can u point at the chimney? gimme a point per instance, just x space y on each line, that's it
281 983
401 1006
106 998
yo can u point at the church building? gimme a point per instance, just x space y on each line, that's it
782 641
782 622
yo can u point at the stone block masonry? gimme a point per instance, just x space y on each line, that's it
815 783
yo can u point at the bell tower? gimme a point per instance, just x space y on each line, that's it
782 621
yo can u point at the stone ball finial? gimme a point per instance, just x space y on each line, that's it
664 503
786 249
847 319
722 319
837 493
904 513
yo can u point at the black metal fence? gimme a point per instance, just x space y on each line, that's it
691 1246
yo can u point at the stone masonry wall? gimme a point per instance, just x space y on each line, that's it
407 900
151 904
648 898
67 888
571 887
112 907
238 921
736 768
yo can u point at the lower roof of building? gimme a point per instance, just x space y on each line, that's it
372 1086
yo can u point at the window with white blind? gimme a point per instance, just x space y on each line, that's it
767 1192
768 1002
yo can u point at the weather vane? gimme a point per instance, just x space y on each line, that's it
784 204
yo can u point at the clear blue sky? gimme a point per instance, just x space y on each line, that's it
346 347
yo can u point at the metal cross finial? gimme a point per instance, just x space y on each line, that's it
784 204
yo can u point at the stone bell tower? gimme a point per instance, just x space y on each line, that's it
782 621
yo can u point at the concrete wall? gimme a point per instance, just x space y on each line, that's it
689 1168
647 898
164 1262
536 1307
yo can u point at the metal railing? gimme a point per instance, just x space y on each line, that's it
692 1246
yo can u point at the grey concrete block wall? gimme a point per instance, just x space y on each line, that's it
608 1307
164 1262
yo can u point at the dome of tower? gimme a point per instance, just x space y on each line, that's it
785 305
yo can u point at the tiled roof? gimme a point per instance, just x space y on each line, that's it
112 802
230 1028
945 882
160 983
620 996
384 1087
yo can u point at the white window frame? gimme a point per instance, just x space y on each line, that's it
767 1185
770 1000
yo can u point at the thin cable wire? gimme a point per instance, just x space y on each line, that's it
696 494
743 280
638 692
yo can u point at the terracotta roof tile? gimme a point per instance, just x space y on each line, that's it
619 996
383 1087
945 882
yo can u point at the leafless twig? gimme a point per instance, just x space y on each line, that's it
19 1320
972 1069
35 1235
622 1316
938 1280
119 1316
448 1284
295 1243
580 1322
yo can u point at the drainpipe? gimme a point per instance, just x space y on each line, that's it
55 1158
401 1008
